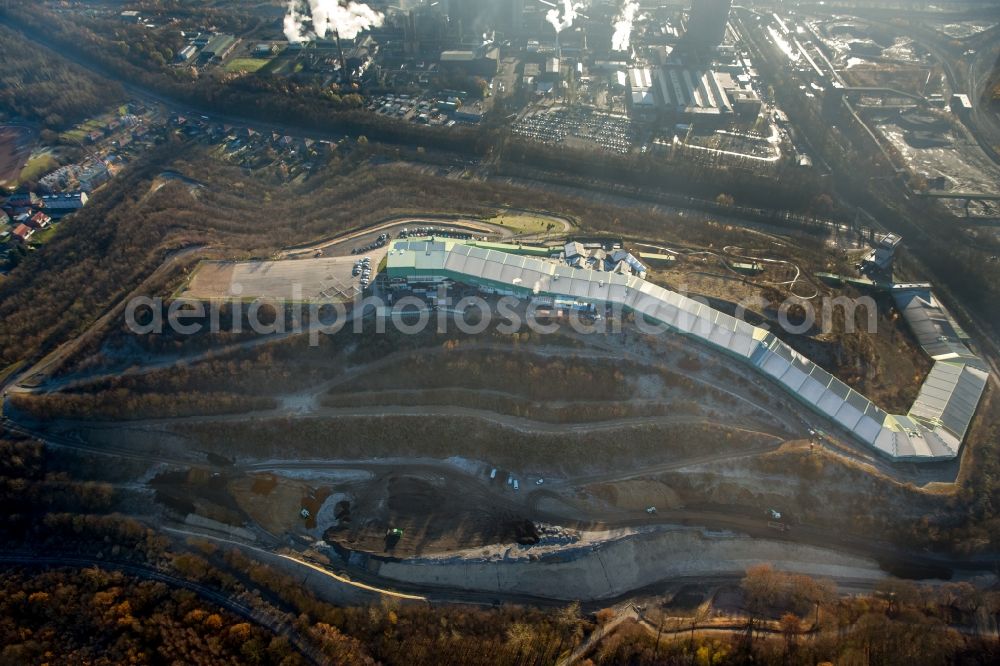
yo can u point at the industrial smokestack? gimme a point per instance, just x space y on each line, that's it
345 76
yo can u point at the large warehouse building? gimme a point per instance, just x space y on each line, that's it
932 430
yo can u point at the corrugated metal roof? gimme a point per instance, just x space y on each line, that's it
950 396
934 327
933 429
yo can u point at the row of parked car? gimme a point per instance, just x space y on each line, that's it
611 132
378 242
434 231
364 269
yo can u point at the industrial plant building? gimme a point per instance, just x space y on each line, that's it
481 61
677 92
706 27
932 430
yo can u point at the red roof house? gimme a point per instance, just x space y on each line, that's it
23 232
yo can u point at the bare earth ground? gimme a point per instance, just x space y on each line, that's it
211 279
327 278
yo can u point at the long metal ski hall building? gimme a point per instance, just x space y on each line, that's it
932 430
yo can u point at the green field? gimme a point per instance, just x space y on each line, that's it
246 64
38 166
45 235
80 132
526 223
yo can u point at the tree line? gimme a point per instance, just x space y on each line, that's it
52 92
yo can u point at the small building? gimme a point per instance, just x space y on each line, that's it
884 252
186 53
622 268
961 104
22 233
217 48
265 49
654 258
573 249
39 221
747 267
472 113
637 266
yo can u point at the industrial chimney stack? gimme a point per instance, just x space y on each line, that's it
345 76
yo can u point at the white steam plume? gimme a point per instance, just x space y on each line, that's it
623 26
562 20
295 31
326 16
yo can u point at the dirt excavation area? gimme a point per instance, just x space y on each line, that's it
401 512
451 525
625 563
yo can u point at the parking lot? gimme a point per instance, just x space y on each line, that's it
333 271
613 133
325 279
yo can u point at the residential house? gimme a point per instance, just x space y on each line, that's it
39 221
22 233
